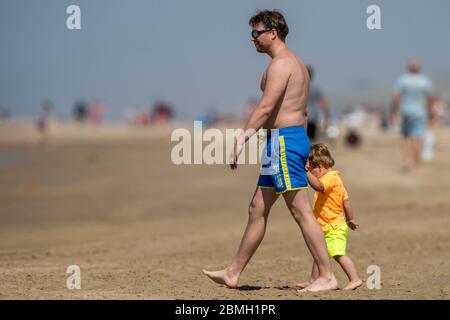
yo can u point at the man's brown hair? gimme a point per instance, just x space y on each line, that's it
319 155
271 20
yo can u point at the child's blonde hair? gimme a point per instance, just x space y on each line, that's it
319 155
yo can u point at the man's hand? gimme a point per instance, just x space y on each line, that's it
353 224
234 156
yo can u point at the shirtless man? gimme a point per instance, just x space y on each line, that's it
283 106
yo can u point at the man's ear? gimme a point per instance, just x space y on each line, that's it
273 33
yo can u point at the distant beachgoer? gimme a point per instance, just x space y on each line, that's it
4 114
42 121
250 108
161 113
412 96
384 120
96 113
333 211
436 113
80 111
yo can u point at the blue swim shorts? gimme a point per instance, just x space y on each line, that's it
283 160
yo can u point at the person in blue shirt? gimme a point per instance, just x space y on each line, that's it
412 98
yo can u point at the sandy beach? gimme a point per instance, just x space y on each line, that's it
110 200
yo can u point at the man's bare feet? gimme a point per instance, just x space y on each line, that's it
223 277
321 284
353 285
303 284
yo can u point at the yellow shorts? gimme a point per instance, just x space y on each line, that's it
337 240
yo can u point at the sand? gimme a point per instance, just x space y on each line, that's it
139 227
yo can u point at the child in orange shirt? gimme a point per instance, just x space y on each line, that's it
332 210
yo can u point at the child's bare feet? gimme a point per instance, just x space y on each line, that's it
353 285
223 277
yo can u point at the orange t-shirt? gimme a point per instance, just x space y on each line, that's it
329 204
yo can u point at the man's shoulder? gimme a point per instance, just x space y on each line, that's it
282 61
426 79
280 65
403 78
314 90
415 80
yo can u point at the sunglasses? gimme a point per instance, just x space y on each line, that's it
257 33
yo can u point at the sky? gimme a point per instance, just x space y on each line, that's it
197 55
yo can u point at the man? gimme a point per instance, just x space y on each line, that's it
413 96
42 123
316 102
285 84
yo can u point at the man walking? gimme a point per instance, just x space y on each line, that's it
317 103
413 96
282 111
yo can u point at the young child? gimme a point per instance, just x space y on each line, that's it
332 210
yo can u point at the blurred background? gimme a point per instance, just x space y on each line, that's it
197 56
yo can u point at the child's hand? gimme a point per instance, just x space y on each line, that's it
353 224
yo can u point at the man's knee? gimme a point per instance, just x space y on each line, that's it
300 212
296 212
257 209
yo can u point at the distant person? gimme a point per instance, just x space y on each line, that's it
210 118
142 118
42 122
333 211
384 120
438 112
317 104
250 108
96 113
161 113
412 96
4 114
80 111
436 115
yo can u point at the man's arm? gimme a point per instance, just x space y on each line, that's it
430 101
314 182
396 102
396 98
278 75
325 106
